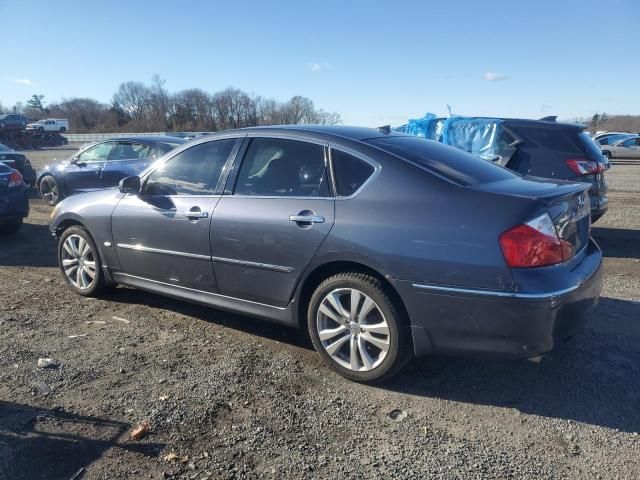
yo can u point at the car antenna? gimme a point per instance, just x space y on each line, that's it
385 129
550 118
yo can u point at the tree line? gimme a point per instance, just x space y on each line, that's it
140 107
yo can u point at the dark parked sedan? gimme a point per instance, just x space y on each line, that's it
382 245
20 162
13 121
102 165
14 202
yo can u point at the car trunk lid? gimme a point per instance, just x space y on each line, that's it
567 204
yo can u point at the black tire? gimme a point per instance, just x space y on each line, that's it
399 340
607 154
49 190
2 124
99 283
12 227
41 129
63 129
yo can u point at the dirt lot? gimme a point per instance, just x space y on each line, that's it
233 397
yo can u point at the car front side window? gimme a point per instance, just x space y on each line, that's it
129 151
194 171
283 168
97 153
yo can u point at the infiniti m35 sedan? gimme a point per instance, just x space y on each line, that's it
381 244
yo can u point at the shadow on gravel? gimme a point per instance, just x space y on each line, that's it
31 246
38 443
618 242
250 325
592 379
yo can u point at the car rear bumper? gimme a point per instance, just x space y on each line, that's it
518 324
14 204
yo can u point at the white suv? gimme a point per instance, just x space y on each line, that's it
50 125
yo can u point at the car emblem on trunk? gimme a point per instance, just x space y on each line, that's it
581 200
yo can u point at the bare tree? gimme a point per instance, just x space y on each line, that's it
159 103
132 98
36 102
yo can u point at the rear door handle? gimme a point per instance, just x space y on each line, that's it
306 219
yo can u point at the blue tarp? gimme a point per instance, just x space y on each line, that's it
478 136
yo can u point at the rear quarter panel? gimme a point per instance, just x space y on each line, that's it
411 225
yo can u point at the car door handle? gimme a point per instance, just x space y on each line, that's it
195 214
306 219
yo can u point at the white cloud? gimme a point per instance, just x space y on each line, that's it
21 81
316 67
493 76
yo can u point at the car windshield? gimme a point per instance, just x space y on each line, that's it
451 163
4 148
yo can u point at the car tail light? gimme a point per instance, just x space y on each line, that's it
580 166
534 244
15 179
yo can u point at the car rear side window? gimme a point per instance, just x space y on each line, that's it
194 171
449 162
283 168
351 172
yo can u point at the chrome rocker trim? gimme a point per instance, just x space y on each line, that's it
495 293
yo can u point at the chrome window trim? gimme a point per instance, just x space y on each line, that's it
495 293
141 248
263 266
354 153
119 274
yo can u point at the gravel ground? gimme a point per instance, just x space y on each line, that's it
227 396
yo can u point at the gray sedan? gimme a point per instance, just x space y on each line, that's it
382 245
628 147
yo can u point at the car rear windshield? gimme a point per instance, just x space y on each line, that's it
451 163
591 148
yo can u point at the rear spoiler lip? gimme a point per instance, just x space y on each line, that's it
565 189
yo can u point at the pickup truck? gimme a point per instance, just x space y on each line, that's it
50 125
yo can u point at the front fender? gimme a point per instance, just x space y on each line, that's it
92 211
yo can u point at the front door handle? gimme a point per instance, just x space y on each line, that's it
306 219
195 214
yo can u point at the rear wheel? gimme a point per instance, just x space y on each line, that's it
49 190
63 129
79 262
357 328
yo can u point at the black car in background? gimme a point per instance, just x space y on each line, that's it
20 162
564 151
13 121
542 148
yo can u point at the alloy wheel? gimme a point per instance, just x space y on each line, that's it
353 330
78 262
49 190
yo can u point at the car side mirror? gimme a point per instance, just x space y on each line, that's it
130 184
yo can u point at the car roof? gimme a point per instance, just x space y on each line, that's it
146 139
327 131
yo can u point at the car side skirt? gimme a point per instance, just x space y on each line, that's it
281 315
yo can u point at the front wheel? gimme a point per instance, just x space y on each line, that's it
49 190
358 328
79 262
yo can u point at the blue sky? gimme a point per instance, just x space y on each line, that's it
373 62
